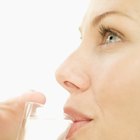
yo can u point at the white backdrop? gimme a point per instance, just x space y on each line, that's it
35 37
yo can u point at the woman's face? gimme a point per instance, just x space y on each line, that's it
103 74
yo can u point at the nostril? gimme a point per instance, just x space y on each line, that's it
71 85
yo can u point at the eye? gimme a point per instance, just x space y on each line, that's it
111 38
109 35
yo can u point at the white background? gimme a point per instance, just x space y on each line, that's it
35 38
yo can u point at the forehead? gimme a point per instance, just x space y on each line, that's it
115 3
129 7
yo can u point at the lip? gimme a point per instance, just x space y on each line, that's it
79 120
76 126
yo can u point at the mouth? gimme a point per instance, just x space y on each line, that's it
77 125
79 121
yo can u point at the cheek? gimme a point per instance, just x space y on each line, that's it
117 86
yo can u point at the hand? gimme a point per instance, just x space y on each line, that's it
11 113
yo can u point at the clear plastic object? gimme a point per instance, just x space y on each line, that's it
38 124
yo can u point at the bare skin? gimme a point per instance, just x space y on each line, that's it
11 113
102 77
103 74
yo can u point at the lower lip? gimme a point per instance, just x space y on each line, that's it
76 126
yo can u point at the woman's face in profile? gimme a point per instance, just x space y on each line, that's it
103 74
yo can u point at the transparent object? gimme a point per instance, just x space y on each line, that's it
38 124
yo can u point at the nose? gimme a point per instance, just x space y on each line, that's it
73 74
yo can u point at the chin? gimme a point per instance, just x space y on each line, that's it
83 134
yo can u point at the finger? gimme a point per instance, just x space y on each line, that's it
11 113
19 102
33 96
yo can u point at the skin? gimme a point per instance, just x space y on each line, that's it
103 78
11 112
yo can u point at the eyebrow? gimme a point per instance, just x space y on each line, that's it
99 18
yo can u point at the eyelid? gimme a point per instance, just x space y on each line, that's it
118 33
105 31
111 30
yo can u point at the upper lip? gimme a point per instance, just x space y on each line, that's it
76 115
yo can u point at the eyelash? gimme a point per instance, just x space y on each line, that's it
106 31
